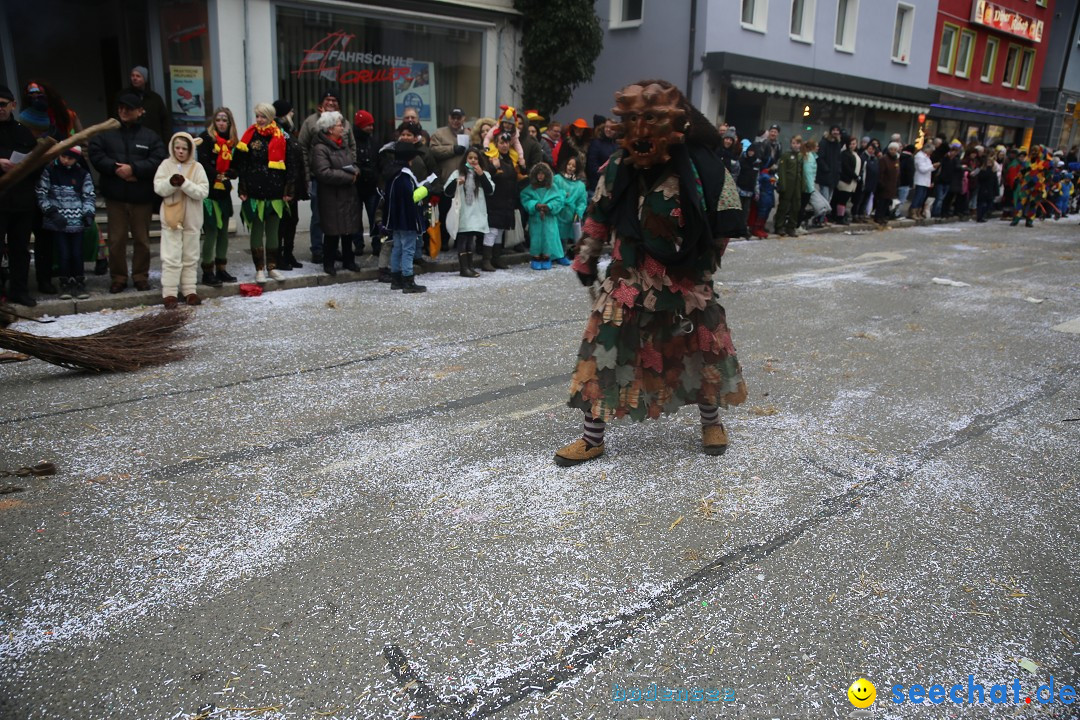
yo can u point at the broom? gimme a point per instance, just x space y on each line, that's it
130 345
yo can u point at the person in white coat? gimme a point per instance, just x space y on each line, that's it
468 186
924 166
182 184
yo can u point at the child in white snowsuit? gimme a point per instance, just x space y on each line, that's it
182 183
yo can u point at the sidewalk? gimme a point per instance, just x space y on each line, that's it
310 275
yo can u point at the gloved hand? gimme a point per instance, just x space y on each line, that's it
459 150
419 194
176 180
88 219
54 214
231 174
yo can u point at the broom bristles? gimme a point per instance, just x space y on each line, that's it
138 343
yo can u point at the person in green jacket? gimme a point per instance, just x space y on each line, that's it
542 201
571 182
789 184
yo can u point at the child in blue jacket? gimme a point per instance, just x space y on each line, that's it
404 219
65 194
543 201
570 182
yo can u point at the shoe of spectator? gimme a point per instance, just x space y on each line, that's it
170 302
142 285
260 277
101 266
193 299
274 274
66 286
316 258
80 289
23 298
117 287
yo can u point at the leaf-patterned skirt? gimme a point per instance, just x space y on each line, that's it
640 358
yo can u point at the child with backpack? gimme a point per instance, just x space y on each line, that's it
65 194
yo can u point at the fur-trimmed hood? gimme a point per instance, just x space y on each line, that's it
534 174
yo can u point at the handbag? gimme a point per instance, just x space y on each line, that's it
172 213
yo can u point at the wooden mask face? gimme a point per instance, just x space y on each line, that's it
652 121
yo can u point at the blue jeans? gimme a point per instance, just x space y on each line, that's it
401 258
918 198
316 228
940 191
69 253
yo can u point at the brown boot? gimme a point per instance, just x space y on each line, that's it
193 299
170 302
714 439
577 452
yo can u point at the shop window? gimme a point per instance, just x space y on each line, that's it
905 22
965 53
755 14
1012 64
947 49
802 20
1027 63
626 13
847 16
994 135
378 65
989 60
185 49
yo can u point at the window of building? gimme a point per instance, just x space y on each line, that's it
847 15
1011 66
905 22
965 53
802 20
989 64
380 65
947 50
626 13
1027 64
185 51
754 14
1040 3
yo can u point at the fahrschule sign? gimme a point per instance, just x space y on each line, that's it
328 55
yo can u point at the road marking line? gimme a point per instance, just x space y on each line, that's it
1069 326
864 260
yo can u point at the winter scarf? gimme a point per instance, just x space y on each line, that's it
223 150
276 150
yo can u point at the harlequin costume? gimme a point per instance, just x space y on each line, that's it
656 338
1033 185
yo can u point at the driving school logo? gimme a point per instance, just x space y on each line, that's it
326 57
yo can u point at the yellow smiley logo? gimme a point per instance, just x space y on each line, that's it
862 693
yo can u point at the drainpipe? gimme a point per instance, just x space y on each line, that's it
691 45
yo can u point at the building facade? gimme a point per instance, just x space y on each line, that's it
802 64
988 62
202 54
1060 88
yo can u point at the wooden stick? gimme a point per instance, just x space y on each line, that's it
48 150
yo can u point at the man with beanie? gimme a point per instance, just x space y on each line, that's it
309 135
367 185
154 113
17 205
447 153
127 159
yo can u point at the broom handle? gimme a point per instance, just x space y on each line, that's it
12 313
48 150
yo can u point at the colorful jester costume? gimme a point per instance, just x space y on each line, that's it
1031 190
657 339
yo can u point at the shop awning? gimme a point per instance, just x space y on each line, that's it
775 87
964 101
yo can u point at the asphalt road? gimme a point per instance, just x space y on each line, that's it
343 504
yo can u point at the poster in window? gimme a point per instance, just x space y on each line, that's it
417 90
187 91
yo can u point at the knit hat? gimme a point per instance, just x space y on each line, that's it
5 93
282 108
74 151
405 150
35 119
363 119
329 93
141 69
598 120
731 133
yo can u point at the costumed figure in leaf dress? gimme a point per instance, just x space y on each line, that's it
657 338
1031 191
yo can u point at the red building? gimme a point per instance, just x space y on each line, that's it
988 64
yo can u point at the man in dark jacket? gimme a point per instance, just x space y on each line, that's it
18 203
887 183
127 159
828 163
907 175
600 149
